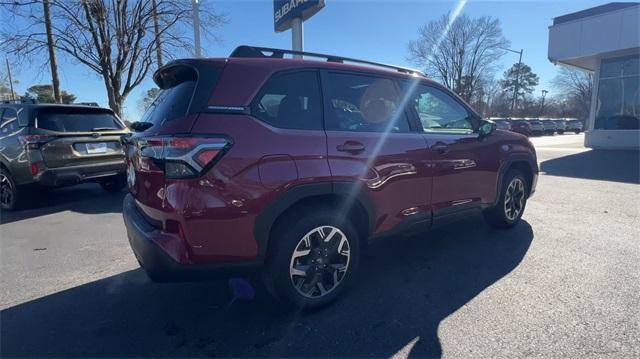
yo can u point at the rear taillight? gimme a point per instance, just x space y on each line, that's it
184 157
33 141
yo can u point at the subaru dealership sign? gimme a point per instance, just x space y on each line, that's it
286 10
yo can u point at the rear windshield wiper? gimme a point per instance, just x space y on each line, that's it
104 129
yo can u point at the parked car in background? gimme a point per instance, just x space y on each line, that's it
290 166
561 125
502 123
44 145
549 126
521 126
537 128
574 125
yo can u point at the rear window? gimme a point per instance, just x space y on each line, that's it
177 85
68 120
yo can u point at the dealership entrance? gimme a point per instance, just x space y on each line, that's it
605 41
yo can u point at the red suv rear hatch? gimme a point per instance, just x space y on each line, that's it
162 160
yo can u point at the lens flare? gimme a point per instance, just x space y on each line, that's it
408 95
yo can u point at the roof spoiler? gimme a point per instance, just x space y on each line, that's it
266 52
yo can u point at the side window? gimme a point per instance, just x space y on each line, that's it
9 122
9 114
439 112
290 100
364 103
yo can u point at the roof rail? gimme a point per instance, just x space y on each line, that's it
259 52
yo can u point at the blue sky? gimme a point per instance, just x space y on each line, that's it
375 30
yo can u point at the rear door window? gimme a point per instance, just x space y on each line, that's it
9 114
365 104
9 122
67 120
290 100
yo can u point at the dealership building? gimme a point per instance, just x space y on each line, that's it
604 40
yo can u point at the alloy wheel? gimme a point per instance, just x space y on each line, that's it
320 261
514 199
6 191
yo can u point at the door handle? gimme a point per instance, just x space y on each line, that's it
352 147
440 148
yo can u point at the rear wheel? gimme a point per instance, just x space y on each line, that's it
513 199
114 184
10 194
313 258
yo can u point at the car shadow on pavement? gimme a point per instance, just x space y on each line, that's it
87 198
605 165
405 288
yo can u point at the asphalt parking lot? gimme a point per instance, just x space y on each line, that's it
564 282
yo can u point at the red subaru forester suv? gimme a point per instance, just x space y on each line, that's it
291 165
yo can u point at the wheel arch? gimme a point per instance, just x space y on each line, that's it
349 195
4 165
520 162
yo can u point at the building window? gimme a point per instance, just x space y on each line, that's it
618 106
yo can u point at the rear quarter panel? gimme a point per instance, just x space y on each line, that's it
262 163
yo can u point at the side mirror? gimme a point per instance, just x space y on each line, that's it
140 126
486 128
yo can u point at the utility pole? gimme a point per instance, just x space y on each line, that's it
52 54
196 27
517 84
544 94
13 96
156 30
515 88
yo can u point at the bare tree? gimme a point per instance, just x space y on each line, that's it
46 21
488 93
577 87
156 33
459 52
53 62
114 38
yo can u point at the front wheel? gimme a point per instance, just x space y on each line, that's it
114 184
313 258
513 199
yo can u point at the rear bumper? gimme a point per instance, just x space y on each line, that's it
63 176
148 244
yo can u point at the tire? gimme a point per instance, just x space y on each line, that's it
301 264
577 132
501 216
114 184
10 195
